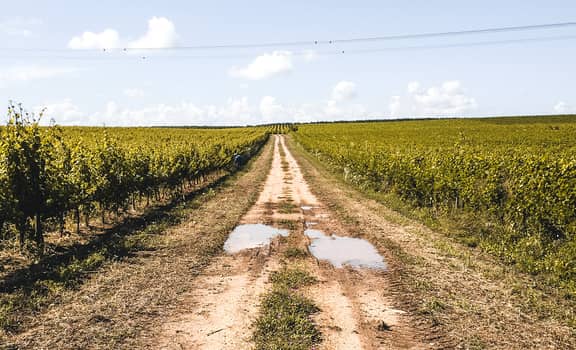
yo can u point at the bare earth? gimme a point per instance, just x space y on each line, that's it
353 302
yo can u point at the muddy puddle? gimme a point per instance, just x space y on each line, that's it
340 251
251 236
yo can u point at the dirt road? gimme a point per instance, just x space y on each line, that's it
353 301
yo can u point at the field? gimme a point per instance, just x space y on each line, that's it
509 184
427 234
48 173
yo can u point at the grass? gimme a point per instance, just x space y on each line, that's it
288 224
32 291
285 320
295 253
291 278
286 207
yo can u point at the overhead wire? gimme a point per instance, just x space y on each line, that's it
321 48
304 53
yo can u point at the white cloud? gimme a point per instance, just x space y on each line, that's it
64 112
344 91
18 26
32 72
133 92
413 86
452 88
107 39
265 66
395 105
235 111
271 110
335 110
446 99
161 33
564 108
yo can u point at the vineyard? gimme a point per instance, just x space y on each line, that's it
510 183
49 175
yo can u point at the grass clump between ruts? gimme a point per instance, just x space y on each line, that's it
295 253
285 315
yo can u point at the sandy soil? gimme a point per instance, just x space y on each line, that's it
353 305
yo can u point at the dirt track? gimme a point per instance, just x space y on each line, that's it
353 302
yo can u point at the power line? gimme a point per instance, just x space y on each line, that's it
304 53
462 32
312 43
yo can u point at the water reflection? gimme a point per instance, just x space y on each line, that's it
339 251
251 236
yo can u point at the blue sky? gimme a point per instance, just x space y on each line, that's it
42 64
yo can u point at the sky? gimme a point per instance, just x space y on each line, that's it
67 59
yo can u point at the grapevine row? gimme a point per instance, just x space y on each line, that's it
515 178
48 172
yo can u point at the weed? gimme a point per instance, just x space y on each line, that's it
286 207
291 278
285 316
288 224
295 253
432 307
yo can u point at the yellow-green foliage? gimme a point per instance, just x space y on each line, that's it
46 172
515 175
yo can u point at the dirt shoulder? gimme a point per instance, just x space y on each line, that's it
123 301
457 296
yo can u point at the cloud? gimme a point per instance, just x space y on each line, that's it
65 111
447 99
271 110
564 108
413 87
161 33
32 72
335 110
18 26
395 105
107 39
133 92
265 66
235 111
344 91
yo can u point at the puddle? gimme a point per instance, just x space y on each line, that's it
339 251
251 236
306 207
